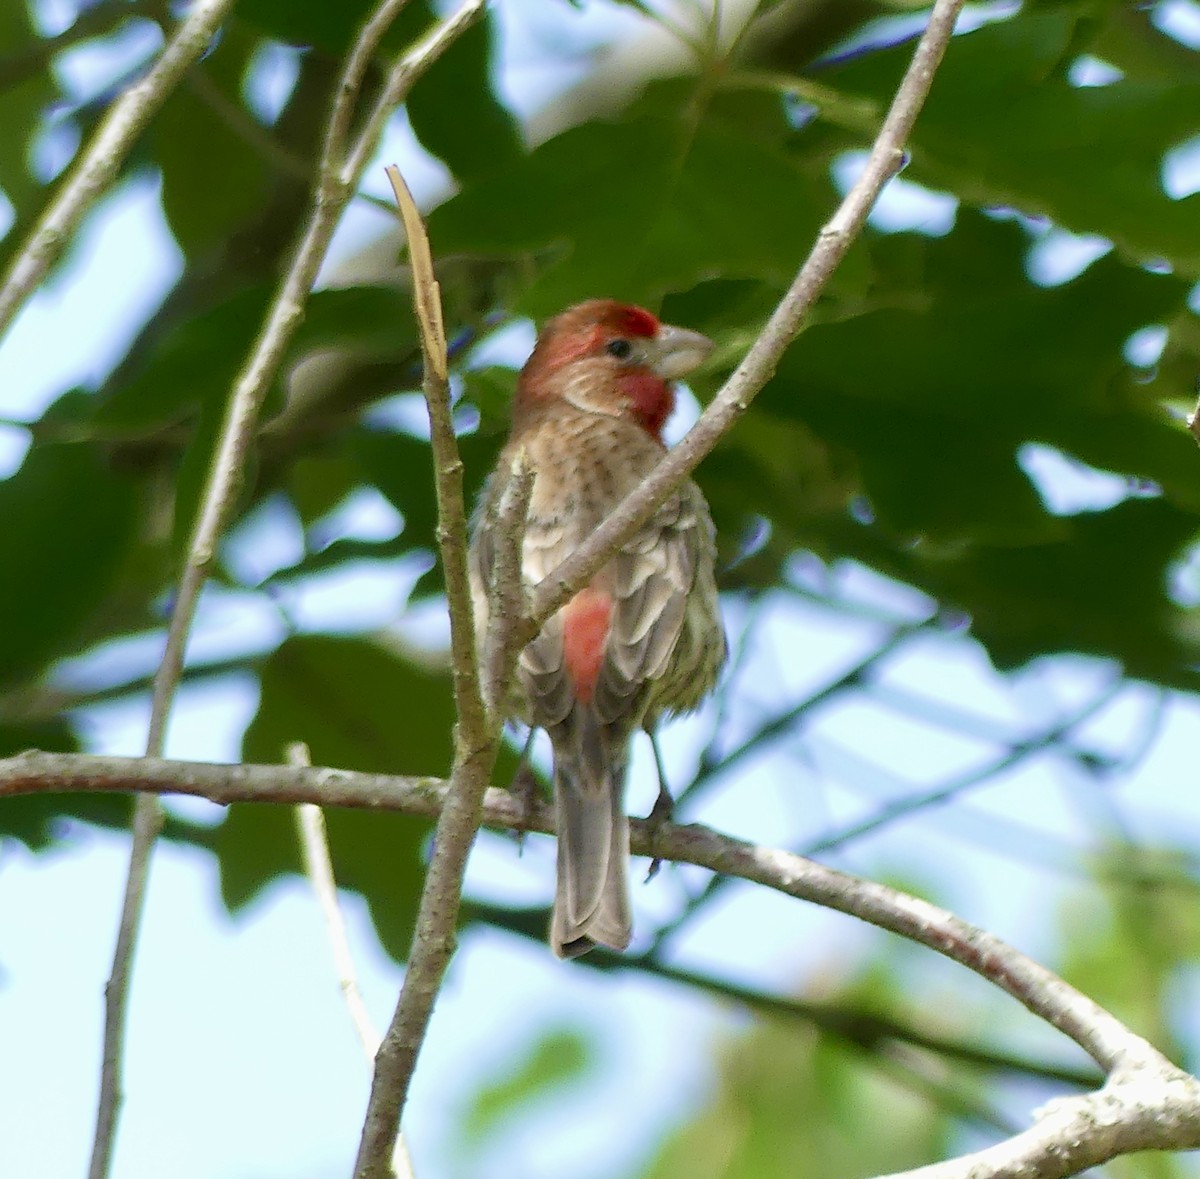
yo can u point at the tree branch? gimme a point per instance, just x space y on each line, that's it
476 735
338 174
318 867
1100 1034
101 160
1146 1104
758 365
1113 1046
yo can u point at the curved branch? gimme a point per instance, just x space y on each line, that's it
1146 1104
1112 1045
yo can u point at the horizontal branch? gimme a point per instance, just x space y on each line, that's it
1113 1046
1146 1103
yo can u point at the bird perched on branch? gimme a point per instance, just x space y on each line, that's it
644 637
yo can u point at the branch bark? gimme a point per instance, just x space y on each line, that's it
476 735
101 160
1145 1104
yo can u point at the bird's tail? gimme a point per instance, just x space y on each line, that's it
591 903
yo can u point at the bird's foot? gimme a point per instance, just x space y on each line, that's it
663 811
525 791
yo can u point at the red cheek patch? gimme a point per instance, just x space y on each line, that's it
586 618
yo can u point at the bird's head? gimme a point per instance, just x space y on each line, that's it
610 358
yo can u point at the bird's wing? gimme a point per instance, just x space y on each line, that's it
652 578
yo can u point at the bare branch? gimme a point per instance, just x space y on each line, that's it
1146 1104
1102 1036
1113 1046
1150 1109
147 822
336 180
506 594
101 160
318 867
758 365
476 736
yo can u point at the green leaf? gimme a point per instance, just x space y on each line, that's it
638 208
456 114
21 105
857 1119
369 320
213 178
1002 126
560 1057
401 467
1099 589
68 523
357 706
935 390
318 483
193 364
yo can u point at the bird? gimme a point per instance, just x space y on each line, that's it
644 637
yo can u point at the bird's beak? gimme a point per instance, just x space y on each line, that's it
676 351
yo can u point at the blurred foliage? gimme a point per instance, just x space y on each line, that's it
895 434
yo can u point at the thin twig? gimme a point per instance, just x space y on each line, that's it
506 594
758 365
476 736
785 723
318 867
147 822
101 160
863 1029
337 179
901 808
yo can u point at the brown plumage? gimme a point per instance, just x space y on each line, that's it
644 637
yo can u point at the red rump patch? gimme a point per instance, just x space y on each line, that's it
586 619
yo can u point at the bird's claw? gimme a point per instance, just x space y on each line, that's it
663 811
524 789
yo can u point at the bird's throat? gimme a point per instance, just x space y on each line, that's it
652 399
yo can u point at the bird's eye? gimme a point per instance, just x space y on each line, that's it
621 349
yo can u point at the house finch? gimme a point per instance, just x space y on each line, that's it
644 636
